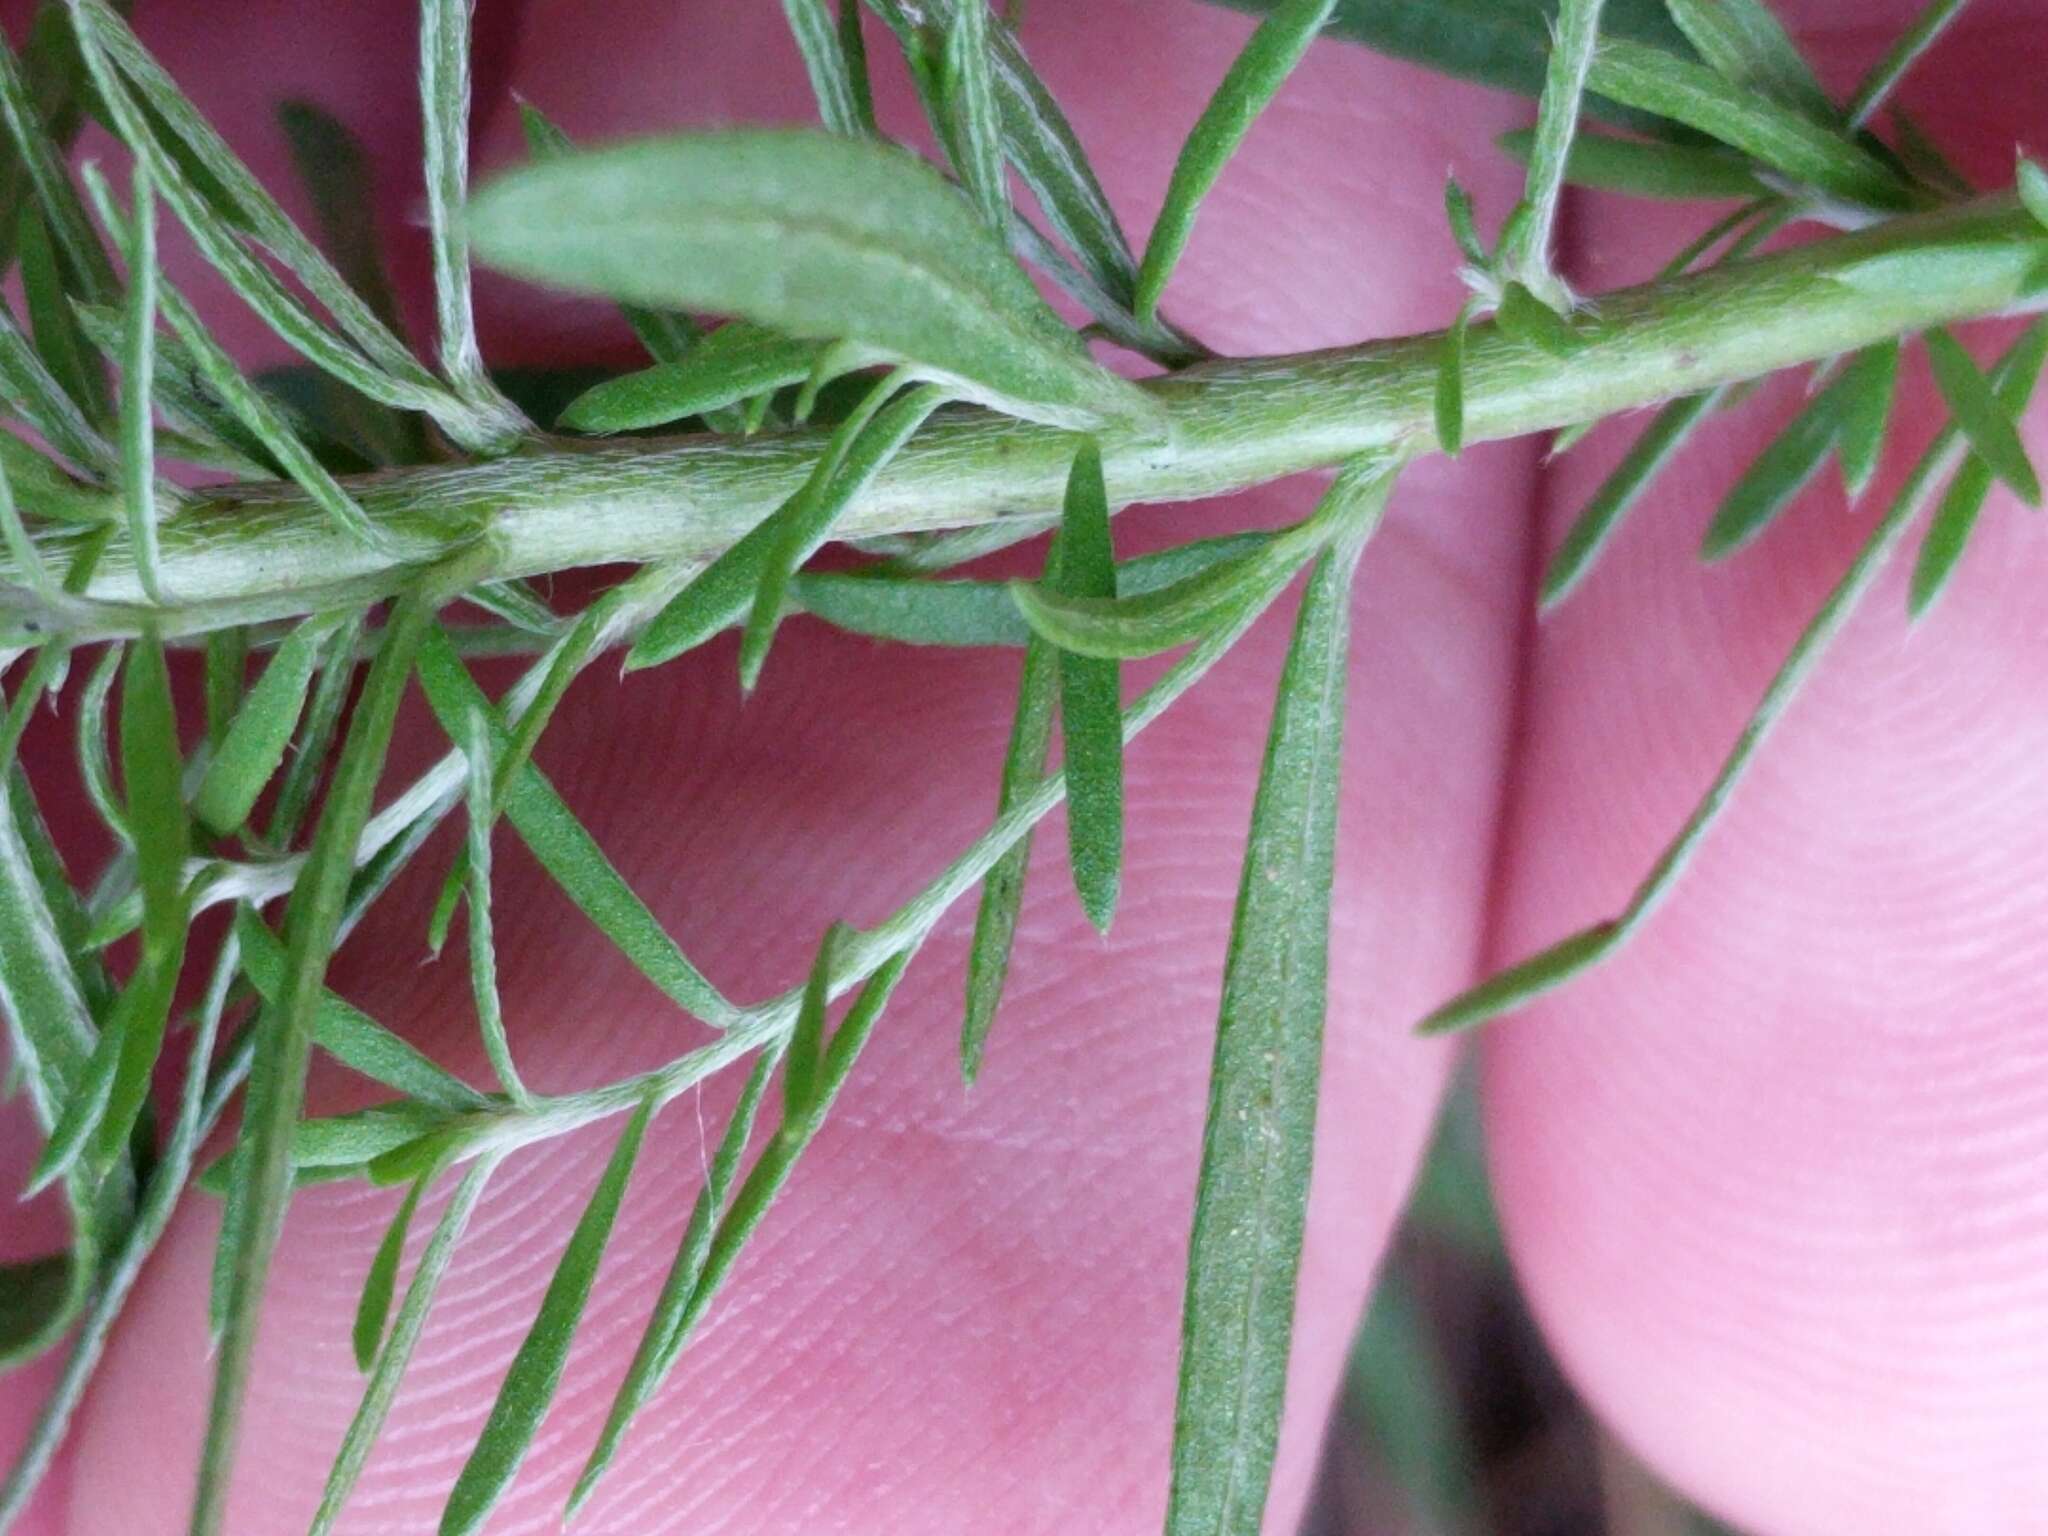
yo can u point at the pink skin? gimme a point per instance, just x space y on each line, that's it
1776 1232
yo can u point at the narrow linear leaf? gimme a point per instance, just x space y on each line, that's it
138 421
537 1368
316 734
227 668
1778 474
1002 890
29 564
1464 226
2032 184
1948 533
1646 167
1904 52
1620 491
95 765
568 853
260 730
1252 80
816 236
970 98
1091 704
1127 627
1983 419
335 169
58 337
1747 44
1525 248
39 135
1450 385
351 1036
651 1358
34 394
483 953
1510 989
285 1041
1697 96
808 521
805 1057
733 363
1251 1198
818 37
380 1284
392 1359
1868 385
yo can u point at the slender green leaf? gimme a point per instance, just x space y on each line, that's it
351 1036
970 98
1550 968
1746 43
380 1284
1534 323
1647 168
336 172
568 852
39 125
1620 491
813 235
1525 252
249 754
1464 226
2032 184
483 953
54 323
151 770
807 522
1252 80
805 1056
34 394
227 676
396 1354
1987 423
651 1358
1905 50
1002 891
28 560
1450 385
95 766
1091 704
1252 1196
138 420
285 1040
1868 384
733 363
841 103
87 1105
50 1029
1948 533
1778 136
323 715
537 1369
1778 474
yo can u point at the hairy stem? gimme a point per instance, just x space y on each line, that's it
250 553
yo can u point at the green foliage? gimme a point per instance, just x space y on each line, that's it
1647 167
254 744
1090 699
734 363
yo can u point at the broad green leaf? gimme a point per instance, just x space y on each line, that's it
483 952
151 771
1948 534
733 363
1450 385
1983 419
1534 323
1647 167
1746 43
1126 627
260 731
568 852
285 1040
970 101
1002 890
842 103
380 1284
1778 136
1525 242
2032 184
1778 474
807 522
1515 986
396 1354
1501 43
1252 80
813 235
1904 52
1091 704
444 103
537 1368
1868 384
1251 1199
351 1036
651 1358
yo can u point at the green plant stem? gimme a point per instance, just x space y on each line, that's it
249 553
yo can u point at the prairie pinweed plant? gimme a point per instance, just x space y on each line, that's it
850 344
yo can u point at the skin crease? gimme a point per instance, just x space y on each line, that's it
1787 1176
